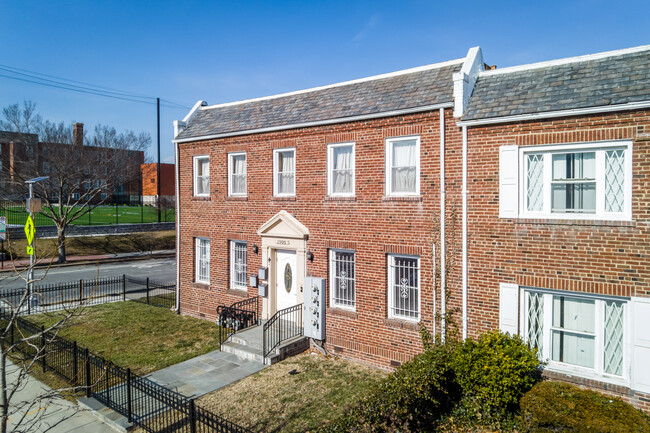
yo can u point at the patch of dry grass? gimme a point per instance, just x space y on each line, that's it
275 400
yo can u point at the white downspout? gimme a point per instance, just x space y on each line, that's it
464 232
178 229
443 255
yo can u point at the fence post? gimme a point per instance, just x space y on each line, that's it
43 350
75 363
141 212
128 395
88 382
117 214
192 417
108 383
90 212
124 287
81 291
147 290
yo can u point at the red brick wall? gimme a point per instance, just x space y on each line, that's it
150 179
370 224
602 257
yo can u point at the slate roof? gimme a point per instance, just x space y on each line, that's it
372 97
616 79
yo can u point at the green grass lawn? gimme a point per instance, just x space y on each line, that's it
100 215
139 336
277 400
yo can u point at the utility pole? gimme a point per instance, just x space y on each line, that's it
158 139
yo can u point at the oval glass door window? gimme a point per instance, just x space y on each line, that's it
287 278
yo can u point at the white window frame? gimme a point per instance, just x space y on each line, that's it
599 148
231 157
103 196
330 169
195 171
276 152
598 372
333 302
197 277
389 165
391 307
232 247
76 196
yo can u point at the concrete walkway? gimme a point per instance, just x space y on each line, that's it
55 414
206 373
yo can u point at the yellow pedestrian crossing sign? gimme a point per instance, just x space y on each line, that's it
30 230
30 251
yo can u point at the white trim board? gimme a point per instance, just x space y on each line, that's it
564 61
553 114
343 83
319 122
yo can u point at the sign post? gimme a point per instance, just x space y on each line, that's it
30 231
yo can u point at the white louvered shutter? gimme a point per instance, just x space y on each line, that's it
640 344
509 308
509 181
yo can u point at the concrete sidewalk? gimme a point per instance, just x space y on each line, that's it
80 260
56 414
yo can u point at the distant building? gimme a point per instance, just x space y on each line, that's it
23 156
150 183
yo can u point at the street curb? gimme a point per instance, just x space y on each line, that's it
91 261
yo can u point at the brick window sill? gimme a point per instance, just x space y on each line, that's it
237 198
293 198
564 222
402 324
334 311
237 292
204 286
195 198
331 198
405 198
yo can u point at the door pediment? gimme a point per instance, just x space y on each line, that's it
283 225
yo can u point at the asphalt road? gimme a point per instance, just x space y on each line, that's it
163 269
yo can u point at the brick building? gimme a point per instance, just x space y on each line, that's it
531 182
150 183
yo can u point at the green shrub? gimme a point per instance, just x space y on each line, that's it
413 399
494 372
558 407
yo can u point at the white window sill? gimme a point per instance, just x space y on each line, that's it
585 373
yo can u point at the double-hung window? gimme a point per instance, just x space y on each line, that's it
202 260
579 333
588 181
202 176
238 265
340 172
404 287
284 172
342 279
237 174
403 166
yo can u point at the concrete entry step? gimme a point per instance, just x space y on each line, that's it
248 344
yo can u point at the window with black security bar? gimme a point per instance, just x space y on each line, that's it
342 279
404 287
238 265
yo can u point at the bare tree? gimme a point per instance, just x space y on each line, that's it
84 172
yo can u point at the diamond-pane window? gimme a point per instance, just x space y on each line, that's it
614 180
614 338
536 321
535 196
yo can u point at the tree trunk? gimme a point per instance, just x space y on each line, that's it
61 243
3 377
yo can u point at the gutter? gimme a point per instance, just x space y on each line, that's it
443 247
554 114
318 123
178 230
464 270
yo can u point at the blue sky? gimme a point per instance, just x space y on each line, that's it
225 51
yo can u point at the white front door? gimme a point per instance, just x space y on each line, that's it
285 279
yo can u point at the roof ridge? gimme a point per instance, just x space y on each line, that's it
340 84
564 61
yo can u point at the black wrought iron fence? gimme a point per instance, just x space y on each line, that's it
284 324
238 316
145 403
59 296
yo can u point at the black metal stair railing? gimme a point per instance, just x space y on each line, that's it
284 324
238 316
